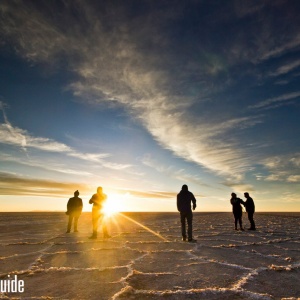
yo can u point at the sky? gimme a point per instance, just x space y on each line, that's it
141 97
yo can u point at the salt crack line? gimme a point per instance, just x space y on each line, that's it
128 291
131 271
61 269
260 254
256 272
244 279
208 260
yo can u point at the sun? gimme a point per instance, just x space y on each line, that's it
111 206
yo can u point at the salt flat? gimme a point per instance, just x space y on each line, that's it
149 261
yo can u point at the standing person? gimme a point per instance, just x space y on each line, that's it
184 199
250 209
98 200
237 210
74 208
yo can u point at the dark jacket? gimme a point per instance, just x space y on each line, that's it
249 204
184 199
74 205
236 206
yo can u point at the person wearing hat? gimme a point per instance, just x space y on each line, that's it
184 200
74 208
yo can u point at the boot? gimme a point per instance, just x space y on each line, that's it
94 235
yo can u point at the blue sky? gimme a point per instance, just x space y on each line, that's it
141 97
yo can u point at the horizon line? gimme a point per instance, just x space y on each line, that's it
208 211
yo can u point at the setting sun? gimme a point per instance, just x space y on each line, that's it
112 205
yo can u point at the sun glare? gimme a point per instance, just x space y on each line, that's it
111 206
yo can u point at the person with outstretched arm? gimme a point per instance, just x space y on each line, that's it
237 210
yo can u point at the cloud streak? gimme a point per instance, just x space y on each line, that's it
12 184
131 62
15 136
280 100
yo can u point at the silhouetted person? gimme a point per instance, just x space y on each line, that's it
98 200
184 200
250 209
74 208
237 210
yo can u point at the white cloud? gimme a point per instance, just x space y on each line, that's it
290 197
283 48
115 67
283 168
272 162
274 177
268 103
296 160
293 178
15 136
239 186
286 68
181 174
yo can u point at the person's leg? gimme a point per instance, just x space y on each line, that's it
251 220
95 218
76 223
241 222
104 227
235 221
71 216
190 225
183 229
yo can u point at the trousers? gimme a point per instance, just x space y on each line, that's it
186 216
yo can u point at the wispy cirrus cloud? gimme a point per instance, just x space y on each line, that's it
40 164
132 62
286 68
239 186
170 171
11 135
141 81
275 101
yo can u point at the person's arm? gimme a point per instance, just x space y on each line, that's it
69 205
178 204
91 200
194 201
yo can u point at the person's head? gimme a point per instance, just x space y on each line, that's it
76 193
233 195
185 187
99 190
246 195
